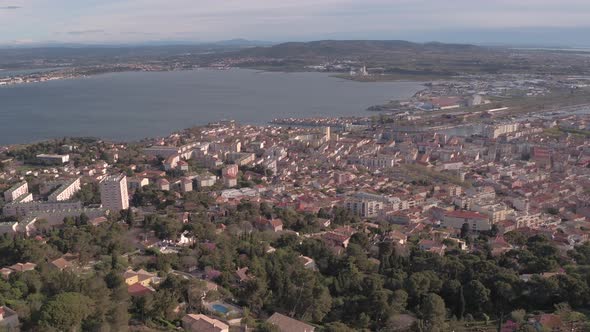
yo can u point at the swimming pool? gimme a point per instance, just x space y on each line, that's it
220 308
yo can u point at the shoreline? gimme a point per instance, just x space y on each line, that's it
33 77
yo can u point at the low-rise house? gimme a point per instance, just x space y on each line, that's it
163 184
547 322
185 239
202 323
5 272
432 246
396 237
8 319
336 240
18 267
138 290
140 277
308 262
273 225
137 182
323 222
183 165
288 324
186 185
243 275
499 245
205 180
64 263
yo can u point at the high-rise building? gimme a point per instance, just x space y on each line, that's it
113 193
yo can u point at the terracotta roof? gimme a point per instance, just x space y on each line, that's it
61 263
550 321
276 223
288 324
243 274
466 214
336 237
138 289
202 323
20 267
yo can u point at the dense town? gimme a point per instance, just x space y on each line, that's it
339 226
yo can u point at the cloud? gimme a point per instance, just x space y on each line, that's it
9 7
277 20
138 33
84 32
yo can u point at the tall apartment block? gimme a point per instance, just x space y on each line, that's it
113 193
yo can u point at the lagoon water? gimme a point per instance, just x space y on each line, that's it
131 106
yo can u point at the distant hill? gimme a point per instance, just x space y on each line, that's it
383 58
242 42
354 48
389 57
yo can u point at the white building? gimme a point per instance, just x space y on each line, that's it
496 130
66 191
16 191
184 151
206 180
54 158
368 205
17 208
475 220
373 162
113 193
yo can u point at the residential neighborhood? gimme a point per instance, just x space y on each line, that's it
231 227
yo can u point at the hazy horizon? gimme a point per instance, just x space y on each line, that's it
528 22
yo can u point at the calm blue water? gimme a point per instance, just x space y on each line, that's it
130 106
220 308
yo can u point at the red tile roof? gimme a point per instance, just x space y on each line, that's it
466 215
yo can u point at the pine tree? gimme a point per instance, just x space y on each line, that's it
461 304
129 217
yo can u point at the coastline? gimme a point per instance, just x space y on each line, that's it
156 103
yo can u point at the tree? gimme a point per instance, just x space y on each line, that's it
118 317
399 300
461 304
113 279
66 311
84 219
433 311
338 327
129 217
465 230
478 295
518 315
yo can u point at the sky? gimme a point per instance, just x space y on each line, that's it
542 22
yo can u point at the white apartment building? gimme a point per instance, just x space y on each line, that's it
113 193
496 130
66 191
184 151
17 208
16 191
475 220
54 158
206 180
373 162
368 205
496 212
